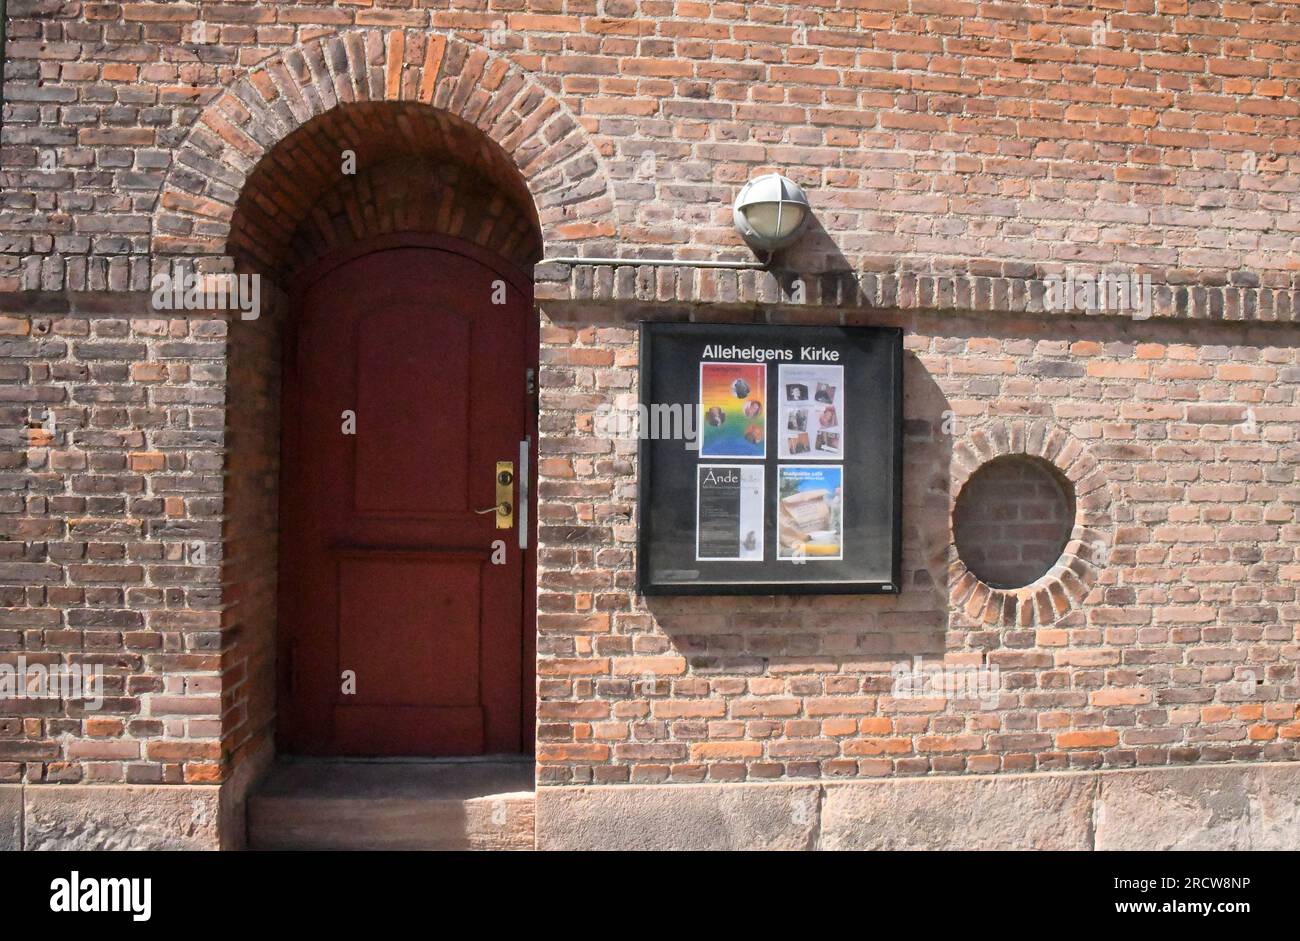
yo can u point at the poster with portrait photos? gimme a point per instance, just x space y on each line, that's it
812 413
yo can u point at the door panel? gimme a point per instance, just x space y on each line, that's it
379 597
431 407
387 573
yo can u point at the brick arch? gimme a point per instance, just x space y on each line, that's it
434 81
405 194
1069 581
411 169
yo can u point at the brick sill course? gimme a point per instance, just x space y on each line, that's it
640 288
558 283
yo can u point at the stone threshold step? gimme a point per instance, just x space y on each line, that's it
342 804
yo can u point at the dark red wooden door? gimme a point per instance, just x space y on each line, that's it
401 607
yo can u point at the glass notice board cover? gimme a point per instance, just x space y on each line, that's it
770 459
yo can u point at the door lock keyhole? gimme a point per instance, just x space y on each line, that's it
505 478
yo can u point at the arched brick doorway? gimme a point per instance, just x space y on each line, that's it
398 621
435 99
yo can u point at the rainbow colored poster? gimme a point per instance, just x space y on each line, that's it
733 410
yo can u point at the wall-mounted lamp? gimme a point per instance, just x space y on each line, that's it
770 211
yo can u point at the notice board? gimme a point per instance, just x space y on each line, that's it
770 459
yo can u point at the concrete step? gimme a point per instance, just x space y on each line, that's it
338 804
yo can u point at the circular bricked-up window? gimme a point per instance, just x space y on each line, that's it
1012 520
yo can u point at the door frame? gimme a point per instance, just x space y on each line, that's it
299 283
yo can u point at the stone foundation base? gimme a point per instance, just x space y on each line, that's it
1243 807
129 816
1228 807
110 817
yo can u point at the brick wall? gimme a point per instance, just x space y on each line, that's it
955 155
250 535
933 135
1175 642
102 514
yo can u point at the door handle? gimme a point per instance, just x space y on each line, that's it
505 487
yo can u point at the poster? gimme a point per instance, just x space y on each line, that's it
812 412
733 412
810 512
729 513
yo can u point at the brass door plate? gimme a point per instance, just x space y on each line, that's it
505 494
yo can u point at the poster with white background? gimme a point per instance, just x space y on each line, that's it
729 513
810 418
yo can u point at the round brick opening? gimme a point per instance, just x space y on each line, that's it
1013 519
